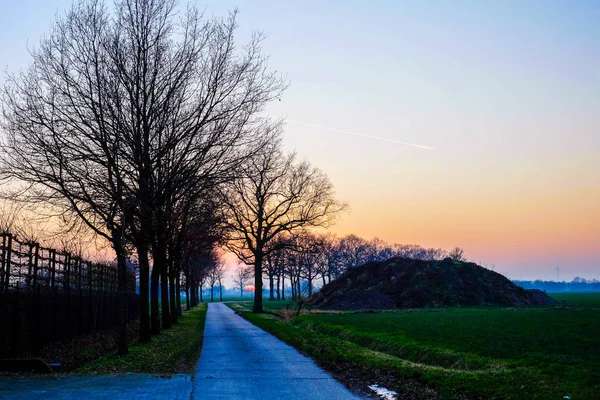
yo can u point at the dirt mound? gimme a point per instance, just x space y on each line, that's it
408 283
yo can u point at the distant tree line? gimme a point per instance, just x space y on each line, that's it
576 285
303 260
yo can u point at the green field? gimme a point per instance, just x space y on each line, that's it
268 305
504 353
578 299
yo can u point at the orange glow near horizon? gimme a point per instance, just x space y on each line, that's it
526 225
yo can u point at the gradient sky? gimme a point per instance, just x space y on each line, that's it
506 93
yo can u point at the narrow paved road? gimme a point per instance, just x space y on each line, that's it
241 361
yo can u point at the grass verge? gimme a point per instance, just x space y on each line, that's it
174 350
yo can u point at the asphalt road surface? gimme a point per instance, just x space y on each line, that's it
241 361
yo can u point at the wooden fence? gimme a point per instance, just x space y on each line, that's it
47 295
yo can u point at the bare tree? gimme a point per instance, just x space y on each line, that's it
216 272
353 251
241 278
212 278
196 266
293 268
434 254
333 265
275 194
380 249
310 251
274 260
221 270
457 254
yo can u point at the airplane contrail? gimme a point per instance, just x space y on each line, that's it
357 134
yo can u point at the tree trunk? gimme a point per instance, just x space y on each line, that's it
220 291
293 286
172 295
154 312
160 260
200 290
282 286
194 294
122 346
271 287
212 293
142 251
258 284
278 284
178 297
191 294
187 296
164 298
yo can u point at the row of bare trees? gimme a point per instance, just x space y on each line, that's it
305 259
143 124
134 122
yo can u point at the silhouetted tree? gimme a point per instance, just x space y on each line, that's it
241 278
215 274
274 260
274 194
309 248
353 251
457 254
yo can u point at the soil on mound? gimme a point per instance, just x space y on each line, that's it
408 283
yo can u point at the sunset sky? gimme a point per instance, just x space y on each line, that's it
502 96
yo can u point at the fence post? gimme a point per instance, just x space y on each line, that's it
81 313
38 331
53 267
29 264
3 257
90 307
7 262
54 335
4 247
67 269
90 275
36 257
69 322
16 338
79 264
